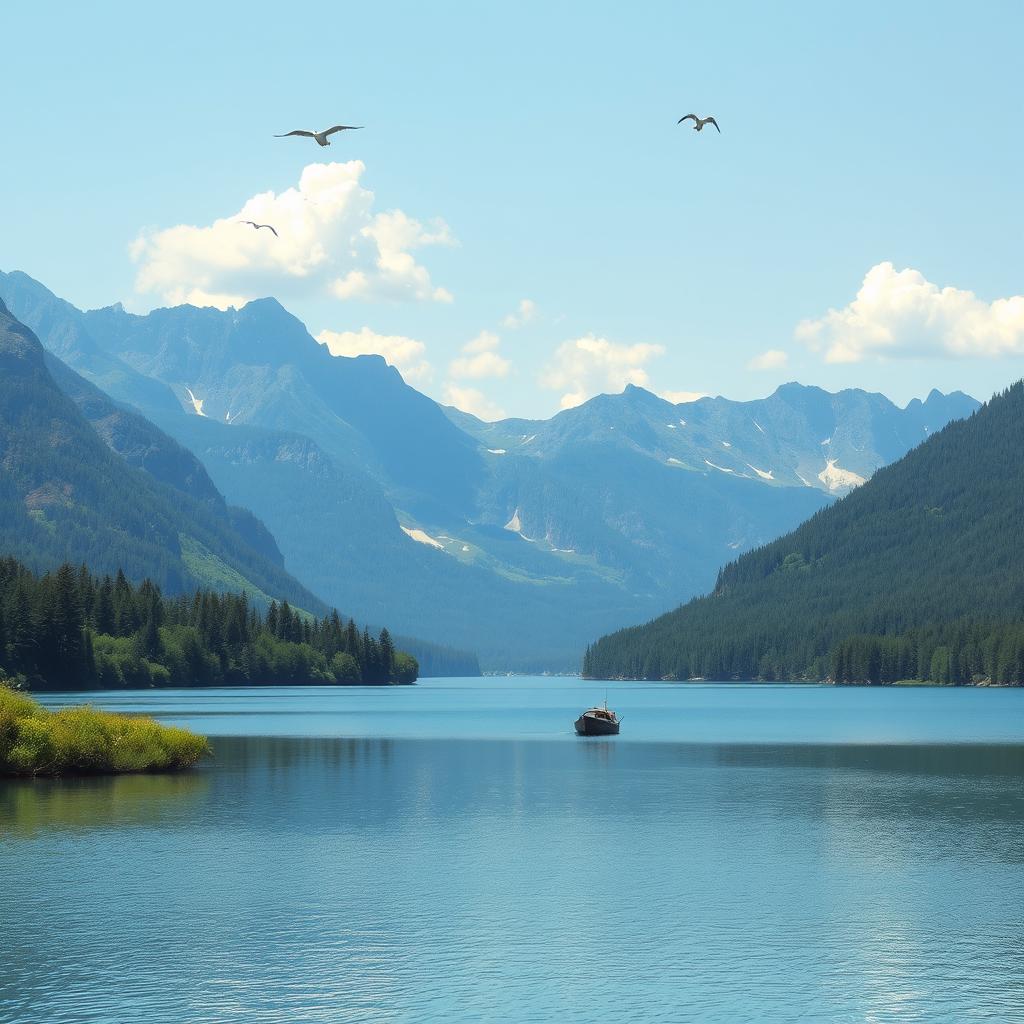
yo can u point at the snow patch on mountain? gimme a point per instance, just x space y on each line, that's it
514 524
197 403
675 462
763 474
758 425
496 451
682 423
422 538
726 444
835 478
721 469
672 426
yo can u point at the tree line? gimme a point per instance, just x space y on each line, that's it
70 629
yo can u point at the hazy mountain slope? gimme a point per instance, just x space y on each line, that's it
142 444
342 536
64 495
520 539
259 366
61 327
926 557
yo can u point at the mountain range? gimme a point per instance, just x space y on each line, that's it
918 574
522 539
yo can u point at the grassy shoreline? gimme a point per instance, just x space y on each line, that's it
85 741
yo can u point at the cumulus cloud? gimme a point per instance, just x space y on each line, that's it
406 354
474 401
330 241
773 359
524 313
586 366
900 313
480 359
682 397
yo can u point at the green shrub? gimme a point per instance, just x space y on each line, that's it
407 668
345 668
83 740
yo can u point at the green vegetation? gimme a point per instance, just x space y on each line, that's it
918 574
84 741
215 573
72 630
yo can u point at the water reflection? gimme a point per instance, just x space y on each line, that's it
30 807
369 880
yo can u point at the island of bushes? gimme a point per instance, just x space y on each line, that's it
69 629
85 741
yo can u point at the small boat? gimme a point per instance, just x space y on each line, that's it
598 722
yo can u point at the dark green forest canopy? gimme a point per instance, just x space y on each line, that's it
918 574
71 630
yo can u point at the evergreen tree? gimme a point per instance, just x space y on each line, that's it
103 618
50 632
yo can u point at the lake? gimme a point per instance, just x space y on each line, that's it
451 851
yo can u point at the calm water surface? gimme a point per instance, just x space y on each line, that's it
451 851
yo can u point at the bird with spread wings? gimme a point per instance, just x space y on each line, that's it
322 138
699 122
258 226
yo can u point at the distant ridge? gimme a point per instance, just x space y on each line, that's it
917 574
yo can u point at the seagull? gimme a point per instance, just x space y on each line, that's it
258 226
699 122
321 137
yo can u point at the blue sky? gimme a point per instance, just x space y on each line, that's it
531 153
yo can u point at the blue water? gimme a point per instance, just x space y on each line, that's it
451 851
545 708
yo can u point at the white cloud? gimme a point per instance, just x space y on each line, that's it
525 312
773 359
330 241
900 313
682 397
589 365
473 401
485 341
404 353
480 359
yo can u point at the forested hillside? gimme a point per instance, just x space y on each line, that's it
69 630
918 574
67 494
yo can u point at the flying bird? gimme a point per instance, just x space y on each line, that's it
699 122
322 137
258 226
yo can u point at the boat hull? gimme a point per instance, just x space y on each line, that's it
590 726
